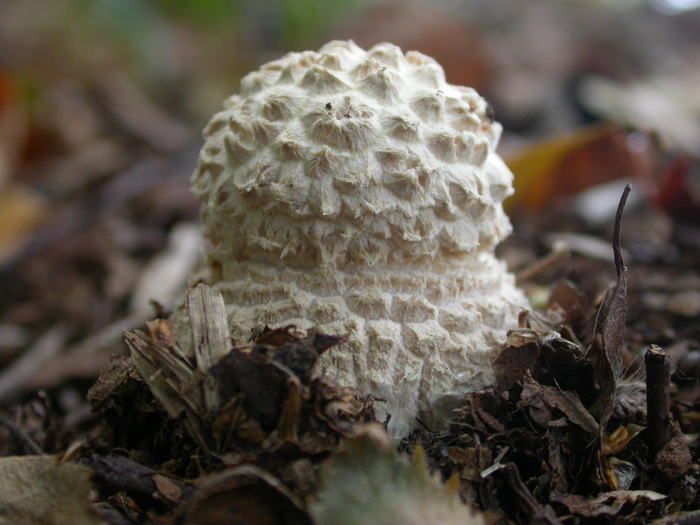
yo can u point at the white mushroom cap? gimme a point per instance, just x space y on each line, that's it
358 192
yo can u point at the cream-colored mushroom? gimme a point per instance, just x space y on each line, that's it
358 192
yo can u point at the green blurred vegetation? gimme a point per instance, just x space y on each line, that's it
172 42
183 54
281 23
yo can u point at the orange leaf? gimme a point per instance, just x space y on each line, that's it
567 164
21 210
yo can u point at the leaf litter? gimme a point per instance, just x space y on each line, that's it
244 433
533 450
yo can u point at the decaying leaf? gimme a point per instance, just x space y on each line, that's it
609 504
244 495
40 489
560 357
609 335
543 401
370 483
610 327
111 382
262 384
674 459
512 364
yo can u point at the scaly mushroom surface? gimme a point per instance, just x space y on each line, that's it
358 192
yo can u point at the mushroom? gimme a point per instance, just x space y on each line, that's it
358 192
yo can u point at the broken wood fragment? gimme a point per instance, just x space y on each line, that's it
658 368
210 335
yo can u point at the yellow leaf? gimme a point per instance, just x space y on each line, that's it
21 210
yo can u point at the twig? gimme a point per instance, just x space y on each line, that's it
111 333
117 474
619 263
535 511
49 361
14 376
556 257
27 443
658 368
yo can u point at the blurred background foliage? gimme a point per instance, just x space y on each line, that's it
164 66
188 55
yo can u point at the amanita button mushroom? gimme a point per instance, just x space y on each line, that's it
358 192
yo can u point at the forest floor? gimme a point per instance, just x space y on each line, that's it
595 415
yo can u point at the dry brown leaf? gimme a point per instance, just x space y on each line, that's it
609 504
609 339
512 363
244 495
112 380
542 400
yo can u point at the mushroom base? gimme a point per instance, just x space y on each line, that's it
417 340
